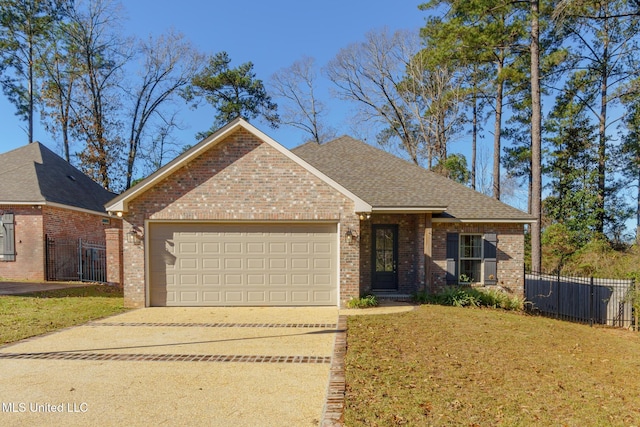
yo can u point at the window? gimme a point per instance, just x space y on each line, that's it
7 238
471 258
470 270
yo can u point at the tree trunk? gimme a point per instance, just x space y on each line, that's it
497 132
474 138
535 195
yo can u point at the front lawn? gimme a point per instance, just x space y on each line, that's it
480 367
23 316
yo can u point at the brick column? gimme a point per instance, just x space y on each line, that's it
114 256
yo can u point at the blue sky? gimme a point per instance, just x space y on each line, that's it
271 34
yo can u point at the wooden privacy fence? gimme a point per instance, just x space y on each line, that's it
76 260
580 299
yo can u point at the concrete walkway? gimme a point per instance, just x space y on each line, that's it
174 366
17 288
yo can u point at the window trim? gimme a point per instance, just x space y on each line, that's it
462 258
488 260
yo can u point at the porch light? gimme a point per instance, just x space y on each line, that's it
364 216
134 237
350 236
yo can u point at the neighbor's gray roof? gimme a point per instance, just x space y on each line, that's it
386 181
35 174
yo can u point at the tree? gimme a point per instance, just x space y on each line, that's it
296 86
535 195
435 95
573 168
98 54
603 45
168 64
370 74
485 32
397 87
233 92
24 32
630 150
59 73
454 167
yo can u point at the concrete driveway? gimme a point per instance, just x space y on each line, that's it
174 366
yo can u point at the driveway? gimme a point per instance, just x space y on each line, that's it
174 366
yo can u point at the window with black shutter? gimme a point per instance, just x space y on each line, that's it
7 238
472 258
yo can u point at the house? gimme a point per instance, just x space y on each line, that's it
240 220
44 200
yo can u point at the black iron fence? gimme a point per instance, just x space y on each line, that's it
579 299
75 260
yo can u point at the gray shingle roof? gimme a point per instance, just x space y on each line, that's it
35 174
386 181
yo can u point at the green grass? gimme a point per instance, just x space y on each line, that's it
482 367
23 316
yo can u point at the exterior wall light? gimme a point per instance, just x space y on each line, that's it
350 236
133 236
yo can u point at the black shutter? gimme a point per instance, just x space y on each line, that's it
452 258
9 247
490 259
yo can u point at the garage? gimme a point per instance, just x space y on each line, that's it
242 264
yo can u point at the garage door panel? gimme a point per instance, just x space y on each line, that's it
277 279
211 263
211 247
211 279
188 248
211 297
243 264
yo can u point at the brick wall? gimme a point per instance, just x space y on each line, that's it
66 224
241 179
411 228
510 252
33 223
29 245
114 255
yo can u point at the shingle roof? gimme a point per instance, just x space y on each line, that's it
35 174
386 181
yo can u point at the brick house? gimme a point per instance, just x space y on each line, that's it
42 195
240 220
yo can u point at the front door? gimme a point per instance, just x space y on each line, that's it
385 258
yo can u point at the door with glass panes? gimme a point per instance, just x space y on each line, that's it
385 258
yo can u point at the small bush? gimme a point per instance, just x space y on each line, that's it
465 296
363 302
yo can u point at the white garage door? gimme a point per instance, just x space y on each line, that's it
198 264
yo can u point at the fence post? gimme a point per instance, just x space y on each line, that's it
591 301
558 295
80 259
634 305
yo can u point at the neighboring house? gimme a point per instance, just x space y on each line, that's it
43 197
240 220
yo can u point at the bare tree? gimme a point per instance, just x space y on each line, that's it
59 68
435 96
371 73
395 85
296 86
99 55
168 64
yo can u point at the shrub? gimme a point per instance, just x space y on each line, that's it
363 302
465 296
